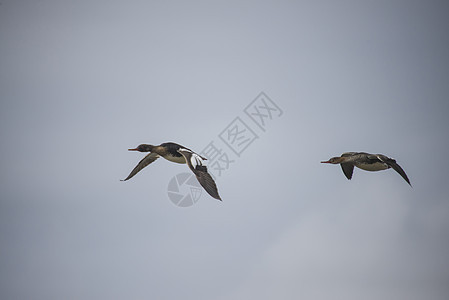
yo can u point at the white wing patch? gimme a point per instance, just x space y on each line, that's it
196 160
379 158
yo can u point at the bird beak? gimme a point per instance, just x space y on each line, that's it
326 162
133 149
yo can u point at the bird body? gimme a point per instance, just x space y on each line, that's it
367 162
377 166
179 154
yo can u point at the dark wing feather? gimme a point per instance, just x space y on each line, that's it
347 168
148 159
200 171
392 163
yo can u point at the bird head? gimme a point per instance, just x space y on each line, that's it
334 160
143 148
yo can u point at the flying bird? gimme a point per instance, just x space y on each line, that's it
178 154
367 162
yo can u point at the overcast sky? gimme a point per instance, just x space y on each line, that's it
83 81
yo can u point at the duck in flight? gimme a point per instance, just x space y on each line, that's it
178 154
366 161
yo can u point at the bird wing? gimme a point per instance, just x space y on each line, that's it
348 154
148 159
347 168
373 158
195 163
393 164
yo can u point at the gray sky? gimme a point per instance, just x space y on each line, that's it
83 81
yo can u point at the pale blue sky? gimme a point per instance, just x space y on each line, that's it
83 81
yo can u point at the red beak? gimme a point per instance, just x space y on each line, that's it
133 149
325 162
